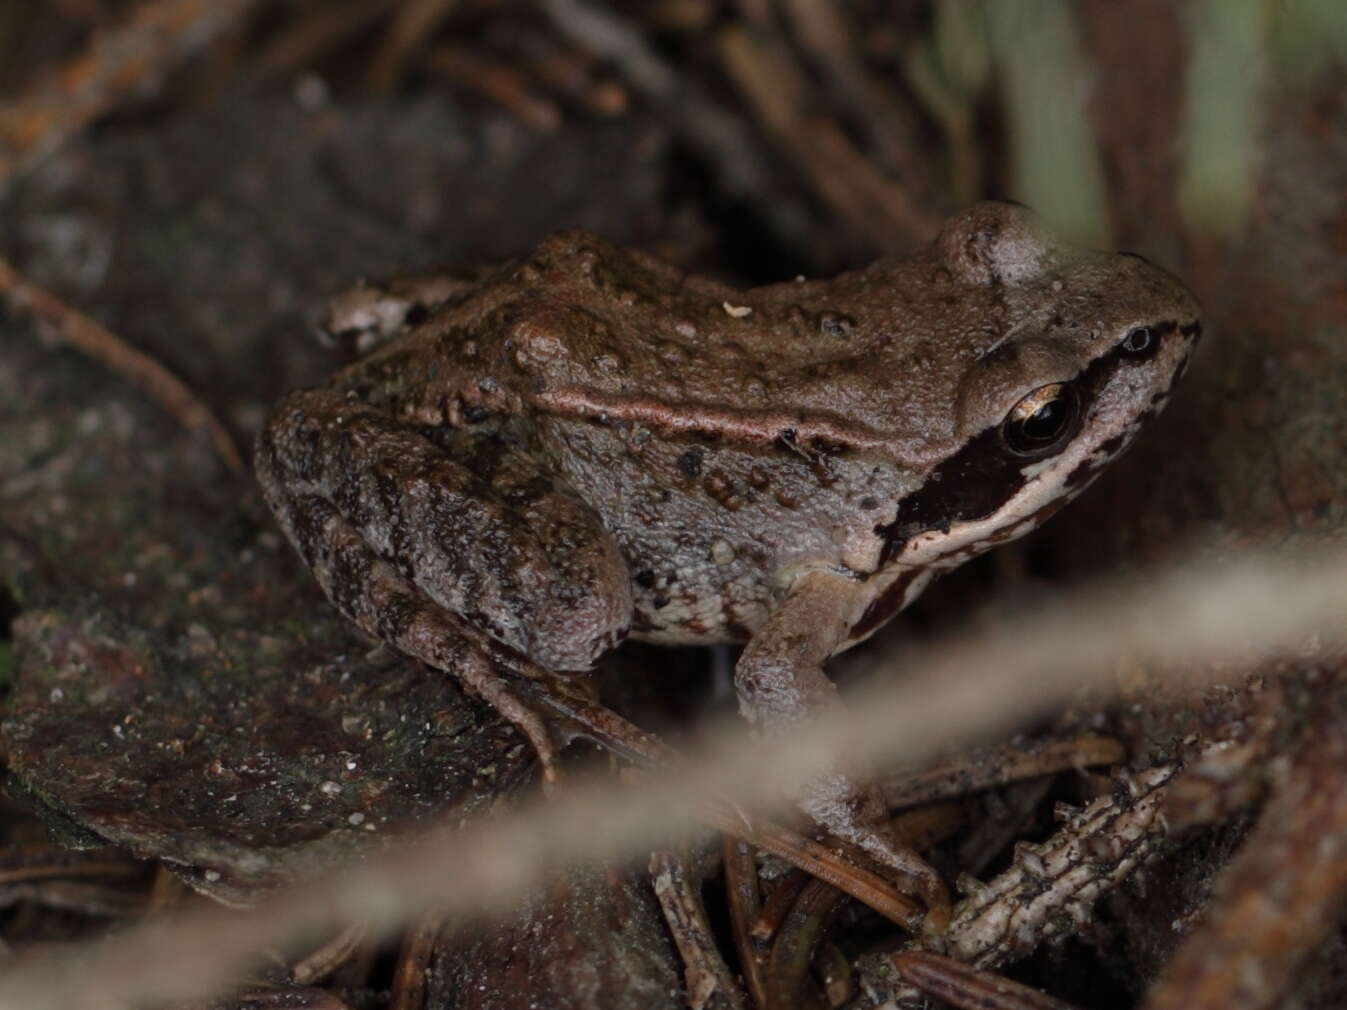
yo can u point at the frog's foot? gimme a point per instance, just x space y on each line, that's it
387 606
493 690
369 591
856 814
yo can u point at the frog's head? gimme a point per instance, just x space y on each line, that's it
1085 350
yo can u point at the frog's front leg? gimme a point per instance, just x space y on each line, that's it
432 547
781 683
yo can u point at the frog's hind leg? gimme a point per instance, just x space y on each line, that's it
436 551
385 605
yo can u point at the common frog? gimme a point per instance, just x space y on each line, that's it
588 444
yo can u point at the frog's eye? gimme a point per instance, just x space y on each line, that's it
1042 421
1140 342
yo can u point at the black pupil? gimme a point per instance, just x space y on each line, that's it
1138 340
1046 422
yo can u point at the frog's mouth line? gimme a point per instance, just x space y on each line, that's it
982 478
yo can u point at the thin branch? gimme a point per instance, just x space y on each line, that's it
789 986
409 977
820 862
1282 893
1000 766
323 27
962 987
710 986
745 901
102 345
413 25
1057 882
27 863
322 962
875 207
501 82
624 739
722 138
127 62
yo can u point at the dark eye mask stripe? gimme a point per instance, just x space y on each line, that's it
982 476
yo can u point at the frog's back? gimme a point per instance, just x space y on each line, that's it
581 327
873 360
602 326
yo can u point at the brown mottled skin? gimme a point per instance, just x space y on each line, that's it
588 443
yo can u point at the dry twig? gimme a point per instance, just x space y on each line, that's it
710 986
1059 880
624 739
123 63
773 913
800 910
409 977
788 982
105 347
822 29
321 963
29 863
999 766
1232 775
497 81
324 27
963 987
1256 933
875 208
723 139
414 22
745 902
